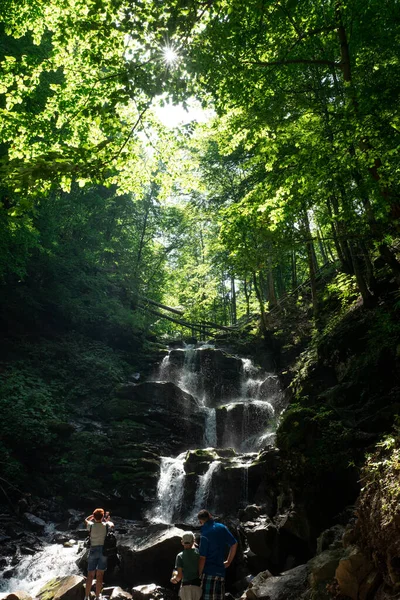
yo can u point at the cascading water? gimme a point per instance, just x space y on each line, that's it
169 489
242 417
203 490
33 572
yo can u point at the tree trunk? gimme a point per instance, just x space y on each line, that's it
367 297
261 304
311 265
247 292
322 248
388 195
294 269
233 300
270 285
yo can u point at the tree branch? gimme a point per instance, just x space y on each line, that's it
295 61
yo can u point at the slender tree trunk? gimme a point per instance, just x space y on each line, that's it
311 265
372 284
341 237
247 296
322 248
261 304
294 270
367 297
270 283
233 299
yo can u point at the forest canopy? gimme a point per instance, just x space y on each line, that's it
102 205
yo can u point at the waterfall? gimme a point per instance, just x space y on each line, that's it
163 370
169 490
33 572
203 490
189 379
245 422
210 432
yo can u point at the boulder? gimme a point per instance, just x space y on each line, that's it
34 522
144 592
290 585
19 595
198 461
353 569
149 557
261 536
70 587
330 538
323 566
152 592
120 594
250 513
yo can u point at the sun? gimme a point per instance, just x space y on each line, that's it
170 55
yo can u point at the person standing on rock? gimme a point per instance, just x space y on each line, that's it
215 538
97 562
187 569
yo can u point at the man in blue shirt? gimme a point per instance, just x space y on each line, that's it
215 538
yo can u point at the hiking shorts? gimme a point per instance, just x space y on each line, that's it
96 560
213 587
190 592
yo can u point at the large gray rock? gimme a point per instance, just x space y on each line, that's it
34 522
149 557
120 594
291 585
323 566
261 536
63 588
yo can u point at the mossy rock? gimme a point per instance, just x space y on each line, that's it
226 452
65 588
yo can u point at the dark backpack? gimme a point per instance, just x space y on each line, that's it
110 542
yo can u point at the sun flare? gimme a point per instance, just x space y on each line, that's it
170 55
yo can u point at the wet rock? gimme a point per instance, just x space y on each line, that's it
144 592
165 415
34 522
19 595
241 422
215 374
120 594
63 588
27 551
198 461
291 585
8 574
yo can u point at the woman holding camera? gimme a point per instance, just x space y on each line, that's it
97 526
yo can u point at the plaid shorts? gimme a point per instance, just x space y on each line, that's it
213 587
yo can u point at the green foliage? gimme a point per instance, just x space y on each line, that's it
27 405
344 288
